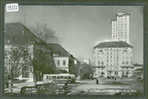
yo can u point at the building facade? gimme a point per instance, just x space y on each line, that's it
20 52
120 27
62 59
62 63
113 59
22 63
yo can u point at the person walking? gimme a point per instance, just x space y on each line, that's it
97 81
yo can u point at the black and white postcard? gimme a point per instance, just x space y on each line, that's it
74 50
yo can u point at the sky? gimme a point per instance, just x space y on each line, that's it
80 27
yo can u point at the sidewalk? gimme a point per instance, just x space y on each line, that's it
90 86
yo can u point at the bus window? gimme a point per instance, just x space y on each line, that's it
54 77
66 77
61 77
49 77
58 77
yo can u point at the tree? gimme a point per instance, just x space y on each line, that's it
43 61
19 59
74 68
86 71
45 33
14 60
27 62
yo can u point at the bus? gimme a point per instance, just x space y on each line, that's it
60 78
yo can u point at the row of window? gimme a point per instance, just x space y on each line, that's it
115 72
58 77
117 36
114 55
61 62
102 63
116 58
111 49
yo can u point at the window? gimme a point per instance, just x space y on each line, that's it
102 63
64 62
107 60
58 77
6 53
100 51
123 62
54 77
69 77
66 77
116 73
58 62
98 62
25 74
26 71
102 73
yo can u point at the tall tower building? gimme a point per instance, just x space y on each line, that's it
113 59
120 27
114 30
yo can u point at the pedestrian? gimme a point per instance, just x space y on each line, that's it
97 81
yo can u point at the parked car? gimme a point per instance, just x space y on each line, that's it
41 87
28 90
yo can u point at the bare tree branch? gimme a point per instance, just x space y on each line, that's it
45 33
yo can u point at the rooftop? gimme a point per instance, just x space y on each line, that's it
18 34
58 49
122 14
113 44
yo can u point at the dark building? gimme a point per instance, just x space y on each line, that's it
42 58
19 39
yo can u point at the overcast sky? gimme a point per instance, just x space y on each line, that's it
80 27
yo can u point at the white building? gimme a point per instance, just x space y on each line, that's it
114 30
113 59
62 58
62 62
87 61
120 27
